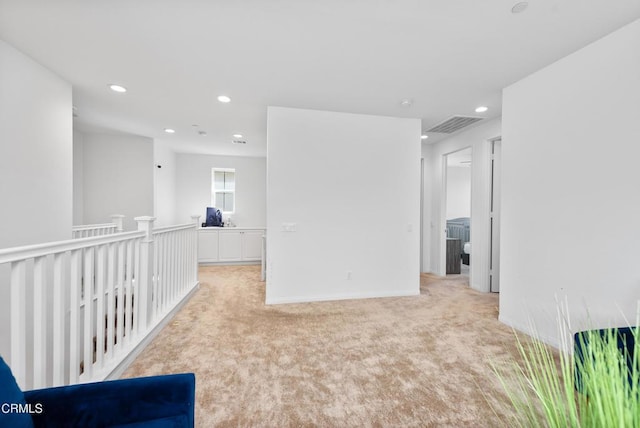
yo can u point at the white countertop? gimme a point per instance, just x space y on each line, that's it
232 228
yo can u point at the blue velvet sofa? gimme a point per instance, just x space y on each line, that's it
626 343
157 401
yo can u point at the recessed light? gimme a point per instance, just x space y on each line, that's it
519 7
117 88
482 109
224 99
169 131
237 135
424 136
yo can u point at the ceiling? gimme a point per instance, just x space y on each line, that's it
358 56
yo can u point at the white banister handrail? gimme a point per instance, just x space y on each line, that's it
172 228
93 226
9 255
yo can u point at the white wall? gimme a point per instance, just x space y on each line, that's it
434 212
458 191
351 185
193 187
570 206
35 161
118 178
78 178
165 186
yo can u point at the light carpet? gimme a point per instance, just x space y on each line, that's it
406 361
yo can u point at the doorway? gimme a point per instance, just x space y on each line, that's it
494 216
457 189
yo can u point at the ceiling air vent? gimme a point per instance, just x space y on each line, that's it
239 142
454 124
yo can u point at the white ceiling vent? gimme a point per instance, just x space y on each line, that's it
454 124
239 142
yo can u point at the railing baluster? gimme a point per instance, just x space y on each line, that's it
120 298
174 266
128 300
58 320
155 285
39 323
111 279
181 259
88 312
136 290
100 289
159 243
75 273
18 323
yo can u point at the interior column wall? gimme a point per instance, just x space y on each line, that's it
569 191
343 203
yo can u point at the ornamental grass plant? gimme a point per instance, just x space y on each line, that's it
542 388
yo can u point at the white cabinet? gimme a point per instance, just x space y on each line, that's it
208 246
252 244
230 246
222 245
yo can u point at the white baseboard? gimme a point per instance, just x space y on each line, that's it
528 330
238 263
330 297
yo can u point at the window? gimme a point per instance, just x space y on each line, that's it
223 189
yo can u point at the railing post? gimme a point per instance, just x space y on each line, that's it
118 219
196 220
145 281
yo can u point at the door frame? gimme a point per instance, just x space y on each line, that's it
442 234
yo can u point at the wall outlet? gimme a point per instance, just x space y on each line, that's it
348 274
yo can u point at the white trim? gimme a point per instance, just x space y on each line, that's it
333 297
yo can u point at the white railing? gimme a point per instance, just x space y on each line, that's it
80 307
89 230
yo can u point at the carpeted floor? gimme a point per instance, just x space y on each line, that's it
407 361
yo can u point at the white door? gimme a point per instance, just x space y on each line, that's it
494 261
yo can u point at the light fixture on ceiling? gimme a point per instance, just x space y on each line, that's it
424 136
224 99
406 102
117 88
519 7
237 136
482 109
169 131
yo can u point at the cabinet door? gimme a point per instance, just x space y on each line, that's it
208 246
230 246
252 244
